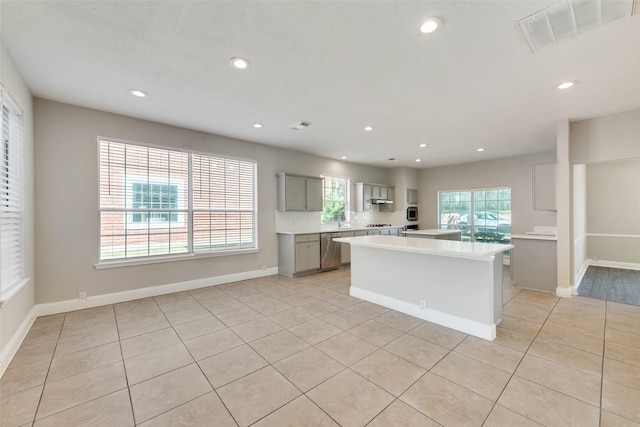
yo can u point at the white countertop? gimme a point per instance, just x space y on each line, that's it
449 248
334 230
534 236
431 232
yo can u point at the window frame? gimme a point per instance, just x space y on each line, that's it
185 213
471 223
12 194
347 197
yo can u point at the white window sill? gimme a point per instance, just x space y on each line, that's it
7 295
168 258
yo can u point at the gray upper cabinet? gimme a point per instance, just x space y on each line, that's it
314 194
412 196
299 193
365 192
543 188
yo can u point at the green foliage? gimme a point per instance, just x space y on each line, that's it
334 203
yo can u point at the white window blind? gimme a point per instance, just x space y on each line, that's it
11 196
156 201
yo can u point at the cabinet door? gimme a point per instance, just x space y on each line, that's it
375 191
384 192
307 256
295 193
367 197
313 252
345 248
314 194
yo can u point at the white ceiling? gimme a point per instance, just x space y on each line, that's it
339 65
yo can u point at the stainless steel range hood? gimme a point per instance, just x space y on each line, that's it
381 201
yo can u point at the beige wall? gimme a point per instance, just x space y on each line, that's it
612 208
67 222
514 172
16 311
614 137
609 146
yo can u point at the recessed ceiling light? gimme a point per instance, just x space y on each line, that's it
423 145
431 24
480 150
567 85
418 160
368 128
257 125
239 63
138 93
344 157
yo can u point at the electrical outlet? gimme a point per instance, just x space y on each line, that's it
82 296
423 305
264 268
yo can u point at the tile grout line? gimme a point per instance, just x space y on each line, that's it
44 384
518 365
124 366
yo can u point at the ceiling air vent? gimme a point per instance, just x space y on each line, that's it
300 125
570 18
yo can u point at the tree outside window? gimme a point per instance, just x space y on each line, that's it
335 200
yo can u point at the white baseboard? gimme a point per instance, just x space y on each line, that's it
580 275
152 291
487 332
565 292
14 343
615 264
10 350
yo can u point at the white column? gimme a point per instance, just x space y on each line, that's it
563 203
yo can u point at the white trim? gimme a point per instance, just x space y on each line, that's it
116 297
168 258
614 264
626 236
580 275
10 350
487 332
7 295
563 292
11 103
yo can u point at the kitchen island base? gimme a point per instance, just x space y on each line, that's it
457 291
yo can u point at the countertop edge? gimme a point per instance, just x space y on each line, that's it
535 237
487 255
336 230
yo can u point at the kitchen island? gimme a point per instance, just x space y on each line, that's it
451 283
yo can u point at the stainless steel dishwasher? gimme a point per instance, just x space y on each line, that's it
330 251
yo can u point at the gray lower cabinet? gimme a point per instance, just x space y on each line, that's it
298 254
345 248
534 263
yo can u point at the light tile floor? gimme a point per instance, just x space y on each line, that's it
293 352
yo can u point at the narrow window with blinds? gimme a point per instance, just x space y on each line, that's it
160 202
11 196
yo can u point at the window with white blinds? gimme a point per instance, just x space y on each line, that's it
11 196
156 201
